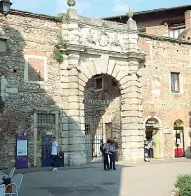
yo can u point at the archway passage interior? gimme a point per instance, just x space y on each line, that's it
102 103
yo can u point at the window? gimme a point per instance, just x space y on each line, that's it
175 86
46 119
175 31
87 129
36 69
98 82
3 45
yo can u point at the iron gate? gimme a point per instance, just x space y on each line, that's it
93 139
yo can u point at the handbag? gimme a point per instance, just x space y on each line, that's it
9 189
7 181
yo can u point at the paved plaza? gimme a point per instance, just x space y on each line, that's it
146 179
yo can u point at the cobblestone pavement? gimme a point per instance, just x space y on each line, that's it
135 180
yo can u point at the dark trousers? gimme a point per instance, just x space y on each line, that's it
55 160
106 162
112 160
151 153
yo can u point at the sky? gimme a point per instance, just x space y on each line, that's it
94 8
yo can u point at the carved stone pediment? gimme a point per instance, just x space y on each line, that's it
99 38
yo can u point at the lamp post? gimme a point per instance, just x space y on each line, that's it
5 7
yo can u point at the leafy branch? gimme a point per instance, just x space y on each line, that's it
57 54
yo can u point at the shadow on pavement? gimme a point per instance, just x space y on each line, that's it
92 181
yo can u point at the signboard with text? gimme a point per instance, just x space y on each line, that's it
22 151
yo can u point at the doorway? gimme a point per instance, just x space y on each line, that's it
152 134
179 150
46 150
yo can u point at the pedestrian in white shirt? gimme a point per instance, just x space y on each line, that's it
54 153
105 154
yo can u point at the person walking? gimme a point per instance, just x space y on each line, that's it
54 154
151 146
112 152
117 148
105 154
146 150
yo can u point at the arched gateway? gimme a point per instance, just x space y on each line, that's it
106 54
102 104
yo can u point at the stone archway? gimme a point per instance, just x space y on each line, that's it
96 47
131 109
102 105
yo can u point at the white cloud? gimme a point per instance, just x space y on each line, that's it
120 6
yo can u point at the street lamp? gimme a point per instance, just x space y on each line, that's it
5 7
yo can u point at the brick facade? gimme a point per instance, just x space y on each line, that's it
23 87
33 84
35 88
164 56
162 59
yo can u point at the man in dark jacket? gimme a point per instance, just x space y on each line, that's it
116 147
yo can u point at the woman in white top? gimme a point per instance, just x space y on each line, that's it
54 153
105 154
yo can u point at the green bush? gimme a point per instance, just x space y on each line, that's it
58 55
183 184
61 40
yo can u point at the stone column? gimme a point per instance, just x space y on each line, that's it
132 130
76 137
64 108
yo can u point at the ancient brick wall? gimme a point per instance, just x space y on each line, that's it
161 30
33 84
30 44
164 57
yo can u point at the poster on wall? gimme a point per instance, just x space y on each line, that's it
22 151
21 148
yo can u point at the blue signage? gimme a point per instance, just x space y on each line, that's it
21 151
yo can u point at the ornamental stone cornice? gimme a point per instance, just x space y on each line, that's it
81 49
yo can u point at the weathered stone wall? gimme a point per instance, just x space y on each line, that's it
103 107
30 43
33 83
164 57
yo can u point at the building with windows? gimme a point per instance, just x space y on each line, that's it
164 35
94 83
68 77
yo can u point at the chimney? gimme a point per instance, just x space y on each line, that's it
188 19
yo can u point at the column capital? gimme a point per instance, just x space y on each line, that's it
73 61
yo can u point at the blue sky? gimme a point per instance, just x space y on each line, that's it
94 8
